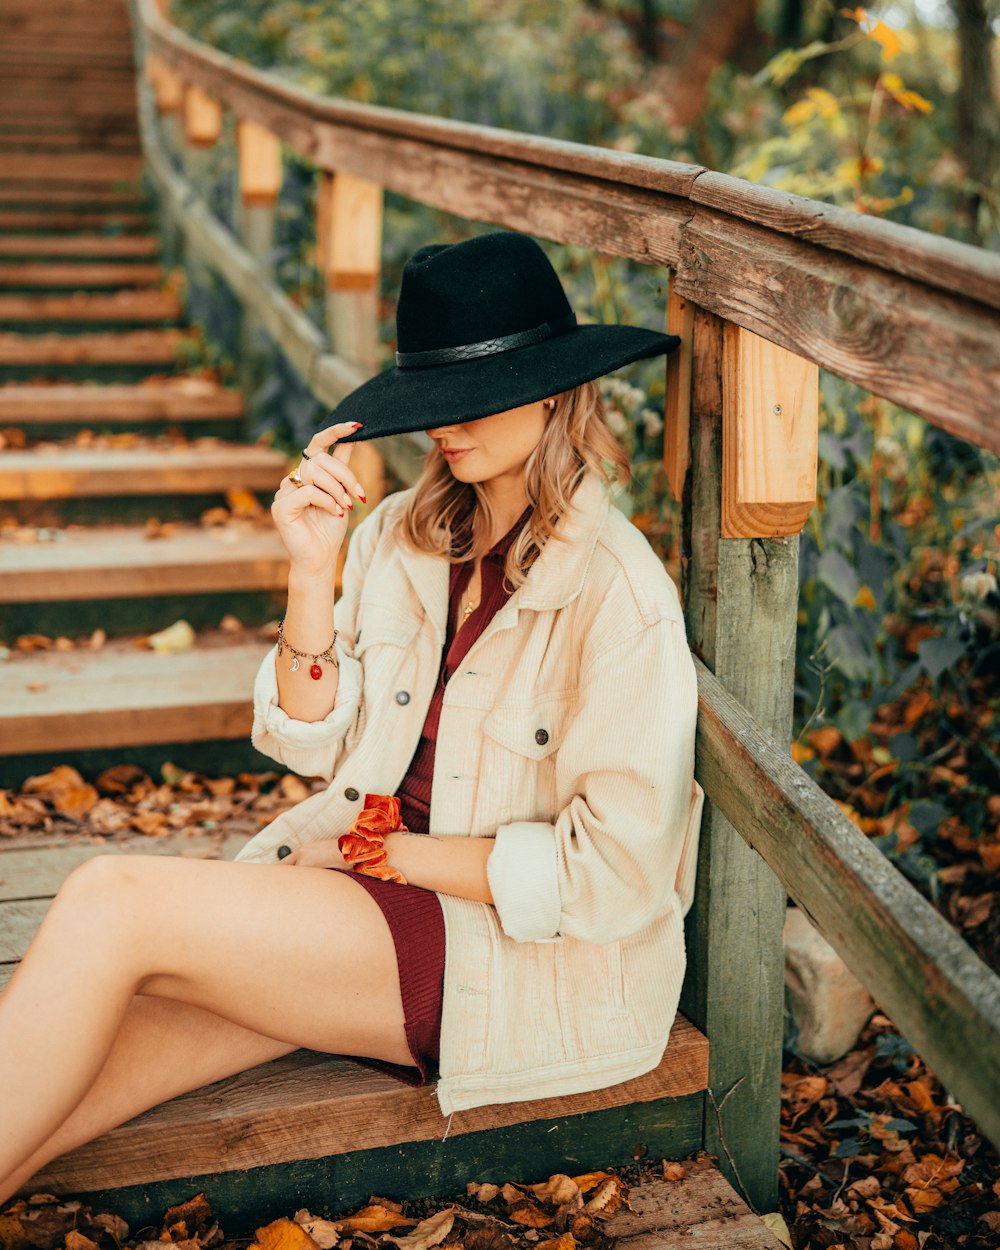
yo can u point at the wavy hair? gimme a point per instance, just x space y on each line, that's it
576 439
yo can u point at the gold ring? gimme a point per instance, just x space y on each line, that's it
295 479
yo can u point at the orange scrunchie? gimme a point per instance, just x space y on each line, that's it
362 846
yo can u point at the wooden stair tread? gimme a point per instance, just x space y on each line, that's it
46 196
309 1105
121 696
79 245
79 274
189 399
107 562
130 305
56 218
94 166
66 472
161 346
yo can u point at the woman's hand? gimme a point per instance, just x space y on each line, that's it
323 853
312 519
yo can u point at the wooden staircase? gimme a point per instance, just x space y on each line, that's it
111 445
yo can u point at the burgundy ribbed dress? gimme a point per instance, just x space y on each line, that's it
413 913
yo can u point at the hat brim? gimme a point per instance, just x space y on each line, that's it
402 401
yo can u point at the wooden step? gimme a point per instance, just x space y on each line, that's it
30 138
128 347
111 562
99 167
71 472
127 306
81 245
48 197
68 701
23 274
56 218
183 399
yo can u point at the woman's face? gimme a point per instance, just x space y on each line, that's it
492 447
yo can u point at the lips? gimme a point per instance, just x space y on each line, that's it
451 454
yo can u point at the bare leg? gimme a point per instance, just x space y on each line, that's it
163 1048
300 955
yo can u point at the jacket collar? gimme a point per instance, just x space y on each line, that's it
555 578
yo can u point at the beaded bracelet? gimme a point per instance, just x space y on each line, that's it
315 672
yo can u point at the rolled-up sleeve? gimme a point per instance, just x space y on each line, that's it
608 864
312 748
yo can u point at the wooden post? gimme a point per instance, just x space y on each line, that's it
741 600
202 118
168 91
256 195
202 122
349 254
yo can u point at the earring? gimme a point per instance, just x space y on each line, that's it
551 405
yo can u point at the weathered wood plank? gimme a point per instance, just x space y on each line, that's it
84 274
81 245
47 197
190 399
740 600
309 1105
72 472
941 996
56 218
125 347
74 701
33 873
115 562
91 306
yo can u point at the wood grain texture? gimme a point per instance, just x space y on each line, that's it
309 1105
78 166
127 306
107 347
84 274
187 400
82 245
739 608
115 562
71 701
921 972
770 437
64 473
677 401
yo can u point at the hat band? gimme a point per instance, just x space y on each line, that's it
488 347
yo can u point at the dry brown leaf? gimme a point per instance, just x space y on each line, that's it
97 639
32 642
588 1180
36 687
375 1219
429 1232
284 1234
77 1241
673 1171
608 1197
12 1233
154 824
482 1193
177 637
114 1225
511 1193
564 1242
243 503
323 1232
76 802
558 1189
531 1215
59 780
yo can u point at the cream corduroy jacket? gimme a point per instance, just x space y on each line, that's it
568 736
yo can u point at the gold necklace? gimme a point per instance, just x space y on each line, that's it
468 610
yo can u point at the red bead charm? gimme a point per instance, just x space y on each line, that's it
315 672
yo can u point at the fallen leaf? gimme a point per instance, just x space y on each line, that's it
429 1232
608 1197
284 1234
77 1241
243 503
775 1221
482 1193
588 1180
374 1219
673 1171
323 1232
76 802
177 637
531 1215
12 1233
558 1189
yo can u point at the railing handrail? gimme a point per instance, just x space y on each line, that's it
911 316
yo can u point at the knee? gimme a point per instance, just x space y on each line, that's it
102 889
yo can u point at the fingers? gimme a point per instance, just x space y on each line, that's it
303 496
335 463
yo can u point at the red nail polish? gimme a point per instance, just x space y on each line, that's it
362 495
357 424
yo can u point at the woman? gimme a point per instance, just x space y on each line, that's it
508 660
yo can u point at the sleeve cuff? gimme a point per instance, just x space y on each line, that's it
522 870
308 747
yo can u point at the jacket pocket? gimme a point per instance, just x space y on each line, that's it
380 628
534 732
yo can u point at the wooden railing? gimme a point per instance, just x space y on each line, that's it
765 288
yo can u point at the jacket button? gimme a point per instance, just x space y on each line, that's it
541 737
351 794
402 697
283 851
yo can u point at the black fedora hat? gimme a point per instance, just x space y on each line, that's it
483 326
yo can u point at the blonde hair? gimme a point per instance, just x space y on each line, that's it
576 439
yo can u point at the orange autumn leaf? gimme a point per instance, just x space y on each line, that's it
374 1219
588 1180
566 1242
673 1171
283 1234
608 1197
531 1215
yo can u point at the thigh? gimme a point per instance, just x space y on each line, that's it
301 955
